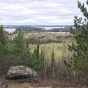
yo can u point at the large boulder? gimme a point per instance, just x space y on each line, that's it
21 72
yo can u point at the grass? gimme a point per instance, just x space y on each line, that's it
49 41
47 37
60 49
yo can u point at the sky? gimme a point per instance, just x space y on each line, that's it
38 12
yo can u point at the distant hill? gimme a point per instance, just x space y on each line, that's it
41 28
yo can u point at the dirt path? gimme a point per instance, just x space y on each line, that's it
42 84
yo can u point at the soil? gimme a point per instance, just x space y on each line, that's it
42 84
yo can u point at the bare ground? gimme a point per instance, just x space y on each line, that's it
43 84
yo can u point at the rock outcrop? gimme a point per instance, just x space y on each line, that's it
21 72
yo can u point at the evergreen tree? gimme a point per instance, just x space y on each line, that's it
3 51
20 49
79 46
2 36
3 42
19 42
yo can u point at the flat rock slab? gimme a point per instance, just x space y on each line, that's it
21 73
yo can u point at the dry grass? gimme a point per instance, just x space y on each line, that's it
49 41
29 34
46 37
57 41
60 49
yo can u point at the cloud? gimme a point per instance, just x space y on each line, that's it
38 11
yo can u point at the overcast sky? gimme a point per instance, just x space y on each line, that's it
38 12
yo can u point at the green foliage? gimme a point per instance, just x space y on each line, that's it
19 43
2 36
80 45
13 52
83 8
37 59
20 49
3 50
2 41
17 52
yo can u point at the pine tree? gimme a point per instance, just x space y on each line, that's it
3 41
79 46
19 42
21 50
2 36
3 51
